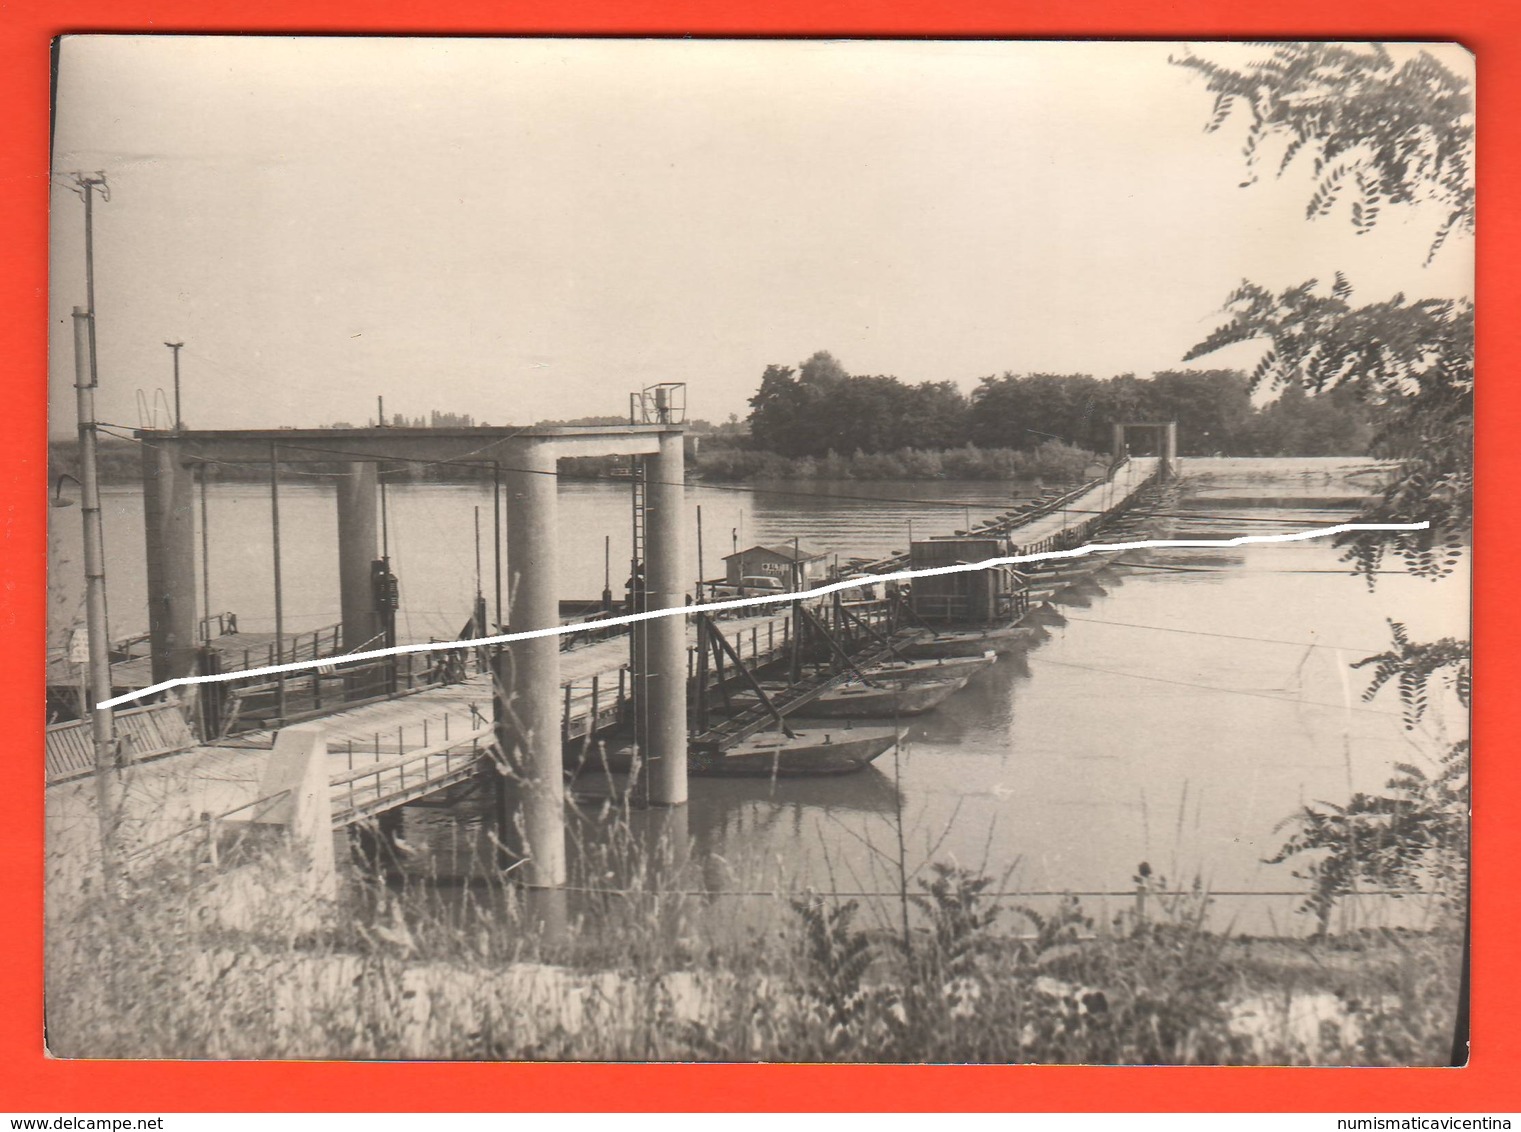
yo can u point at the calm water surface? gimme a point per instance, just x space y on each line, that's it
432 541
1193 699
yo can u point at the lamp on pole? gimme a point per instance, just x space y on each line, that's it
175 346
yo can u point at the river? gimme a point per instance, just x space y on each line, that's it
430 533
1193 699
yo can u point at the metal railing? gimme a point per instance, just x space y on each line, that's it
326 641
255 703
369 788
133 647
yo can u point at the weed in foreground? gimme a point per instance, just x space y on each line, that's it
642 970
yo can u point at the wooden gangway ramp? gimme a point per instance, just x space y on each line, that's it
1055 524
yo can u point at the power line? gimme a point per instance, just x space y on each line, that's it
1211 517
781 894
237 373
1214 688
1238 569
262 465
750 489
465 462
1225 636
737 603
343 454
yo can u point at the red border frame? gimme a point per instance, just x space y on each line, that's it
31 1082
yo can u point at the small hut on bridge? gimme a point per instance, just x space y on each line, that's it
794 566
969 597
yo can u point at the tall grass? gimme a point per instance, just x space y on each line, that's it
634 962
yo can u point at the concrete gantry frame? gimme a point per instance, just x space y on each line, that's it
528 672
1167 442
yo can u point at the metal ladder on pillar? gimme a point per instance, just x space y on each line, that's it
641 494
638 637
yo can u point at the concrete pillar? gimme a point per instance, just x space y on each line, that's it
531 789
668 845
1117 444
546 913
169 525
1170 449
666 683
295 830
358 546
297 768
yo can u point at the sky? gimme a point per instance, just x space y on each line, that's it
525 230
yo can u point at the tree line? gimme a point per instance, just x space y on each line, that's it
818 408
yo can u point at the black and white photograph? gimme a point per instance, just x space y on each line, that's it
759 550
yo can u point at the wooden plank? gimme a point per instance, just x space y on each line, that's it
143 733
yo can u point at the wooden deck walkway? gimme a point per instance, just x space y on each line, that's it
1076 517
1066 520
237 651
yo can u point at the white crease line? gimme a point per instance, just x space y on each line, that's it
742 602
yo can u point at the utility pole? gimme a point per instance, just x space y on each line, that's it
205 559
496 543
102 719
478 610
274 515
178 423
85 185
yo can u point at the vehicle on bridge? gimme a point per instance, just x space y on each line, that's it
756 585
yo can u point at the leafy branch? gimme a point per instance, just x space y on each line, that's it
1412 839
1374 130
1413 666
1416 832
1411 362
1378 132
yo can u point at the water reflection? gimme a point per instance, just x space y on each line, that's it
981 711
431 537
1181 705
1079 595
1176 716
